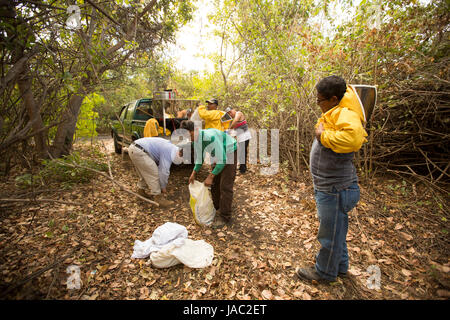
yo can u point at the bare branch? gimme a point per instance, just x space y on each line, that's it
122 187
41 200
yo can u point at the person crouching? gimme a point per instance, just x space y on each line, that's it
152 157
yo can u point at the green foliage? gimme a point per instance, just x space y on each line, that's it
54 171
284 47
114 39
87 118
27 180
196 86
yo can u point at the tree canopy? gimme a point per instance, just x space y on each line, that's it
271 55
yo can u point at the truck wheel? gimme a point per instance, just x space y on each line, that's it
117 145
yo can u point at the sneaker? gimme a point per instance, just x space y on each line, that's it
310 274
162 201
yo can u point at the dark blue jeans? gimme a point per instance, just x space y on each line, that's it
332 209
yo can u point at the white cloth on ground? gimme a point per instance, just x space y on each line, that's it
166 234
194 254
170 246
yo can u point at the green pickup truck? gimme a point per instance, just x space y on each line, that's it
132 117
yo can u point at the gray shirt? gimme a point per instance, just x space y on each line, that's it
330 169
163 152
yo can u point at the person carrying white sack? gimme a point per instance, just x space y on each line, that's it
152 157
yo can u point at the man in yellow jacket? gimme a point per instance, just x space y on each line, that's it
213 116
339 133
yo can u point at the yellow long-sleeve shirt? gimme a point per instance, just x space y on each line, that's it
343 125
212 118
151 128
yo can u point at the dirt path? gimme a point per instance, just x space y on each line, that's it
274 231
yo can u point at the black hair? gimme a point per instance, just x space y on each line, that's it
332 86
187 124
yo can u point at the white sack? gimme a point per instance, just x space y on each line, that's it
194 254
163 235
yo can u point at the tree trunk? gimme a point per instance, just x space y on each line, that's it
63 142
33 110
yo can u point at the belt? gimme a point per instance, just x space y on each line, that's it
140 147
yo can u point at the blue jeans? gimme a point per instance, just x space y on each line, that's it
332 209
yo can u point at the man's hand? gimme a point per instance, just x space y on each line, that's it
192 177
319 131
164 190
209 180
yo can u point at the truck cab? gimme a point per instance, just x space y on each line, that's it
128 125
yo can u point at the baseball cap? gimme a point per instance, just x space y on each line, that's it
215 101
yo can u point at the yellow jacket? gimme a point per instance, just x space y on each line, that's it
212 118
161 131
151 128
343 125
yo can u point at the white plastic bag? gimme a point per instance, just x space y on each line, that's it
201 203
194 254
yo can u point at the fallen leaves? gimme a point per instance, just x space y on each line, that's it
443 293
267 294
406 236
354 271
398 226
275 230
306 296
406 273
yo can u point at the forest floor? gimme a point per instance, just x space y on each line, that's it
400 228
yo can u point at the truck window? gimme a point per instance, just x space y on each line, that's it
171 108
143 111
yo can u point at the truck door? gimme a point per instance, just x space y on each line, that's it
142 113
117 124
127 122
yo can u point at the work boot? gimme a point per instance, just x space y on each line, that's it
142 193
309 274
162 201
